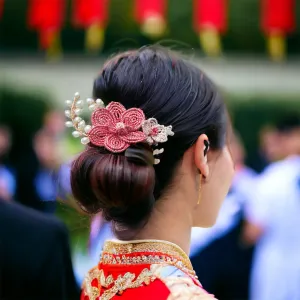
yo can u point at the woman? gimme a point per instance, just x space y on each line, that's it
152 196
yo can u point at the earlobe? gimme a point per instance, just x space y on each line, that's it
201 149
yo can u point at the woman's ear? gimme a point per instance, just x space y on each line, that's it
201 149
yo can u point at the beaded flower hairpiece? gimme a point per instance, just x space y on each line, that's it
115 128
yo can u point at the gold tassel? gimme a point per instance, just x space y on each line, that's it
211 42
154 27
94 38
54 51
276 44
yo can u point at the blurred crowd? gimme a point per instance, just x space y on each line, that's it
252 252
31 180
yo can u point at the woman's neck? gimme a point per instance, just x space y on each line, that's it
170 221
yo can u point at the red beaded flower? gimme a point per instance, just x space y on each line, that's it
116 128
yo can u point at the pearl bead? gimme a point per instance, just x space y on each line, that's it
77 119
81 124
77 95
87 128
158 151
89 101
68 113
156 161
79 104
76 134
69 124
78 111
68 102
99 102
85 140
92 107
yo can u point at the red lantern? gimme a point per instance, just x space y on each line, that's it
278 15
210 14
90 12
210 20
1 7
47 18
151 15
91 15
277 20
149 8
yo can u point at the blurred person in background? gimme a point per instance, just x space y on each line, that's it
273 221
47 152
7 179
54 123
270 146
35 260
221 262
37 173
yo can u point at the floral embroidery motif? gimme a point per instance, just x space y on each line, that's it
181 288
91 284
118 286
128 281
115 128
156 133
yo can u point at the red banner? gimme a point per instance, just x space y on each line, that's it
1 7
210 14
278 15
145 9
90 12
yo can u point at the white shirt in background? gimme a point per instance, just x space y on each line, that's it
276 209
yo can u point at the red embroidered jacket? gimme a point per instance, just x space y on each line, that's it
143 270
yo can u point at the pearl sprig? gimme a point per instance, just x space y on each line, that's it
75 108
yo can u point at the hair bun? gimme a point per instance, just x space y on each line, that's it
141 154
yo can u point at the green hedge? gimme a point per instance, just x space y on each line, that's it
23 112
244 34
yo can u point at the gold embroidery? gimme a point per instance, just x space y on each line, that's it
160 252
163 247
127 281
105 282
183 288
91 291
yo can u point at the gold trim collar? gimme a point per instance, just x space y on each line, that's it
159 252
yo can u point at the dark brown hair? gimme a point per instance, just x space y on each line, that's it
125 186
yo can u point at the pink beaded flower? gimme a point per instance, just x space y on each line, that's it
116 128
156 133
